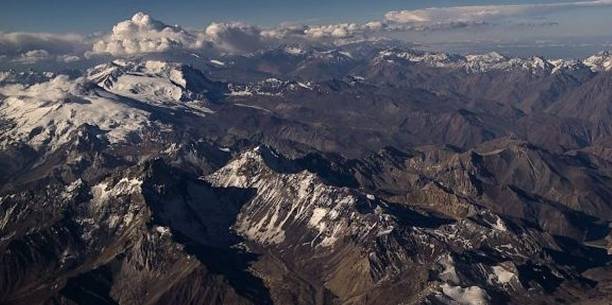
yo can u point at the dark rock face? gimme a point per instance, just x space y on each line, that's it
362 175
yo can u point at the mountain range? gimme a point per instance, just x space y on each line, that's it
366 173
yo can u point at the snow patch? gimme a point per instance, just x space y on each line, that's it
347 54
502 275
101 191
252 107
500 225
217 62
449 274
162 230
305 85
472 295
244 92
317 215
294 51
384 232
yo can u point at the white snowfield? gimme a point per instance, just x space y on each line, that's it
154 82
47 113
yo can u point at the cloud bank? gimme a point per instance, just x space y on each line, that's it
486 13
33 56
28 48
144 34
234 37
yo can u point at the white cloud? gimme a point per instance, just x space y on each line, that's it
68 58
344 30
234 37
485 13
284 31
328 32
33 47
143 34
33 56
54 89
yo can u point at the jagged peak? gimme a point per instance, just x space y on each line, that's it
269 87
480 63
171 70
601 61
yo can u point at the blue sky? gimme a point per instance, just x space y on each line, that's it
90 16
34 29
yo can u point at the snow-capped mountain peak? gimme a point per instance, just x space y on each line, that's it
48 110
153 81
601 61
47 113
158 83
